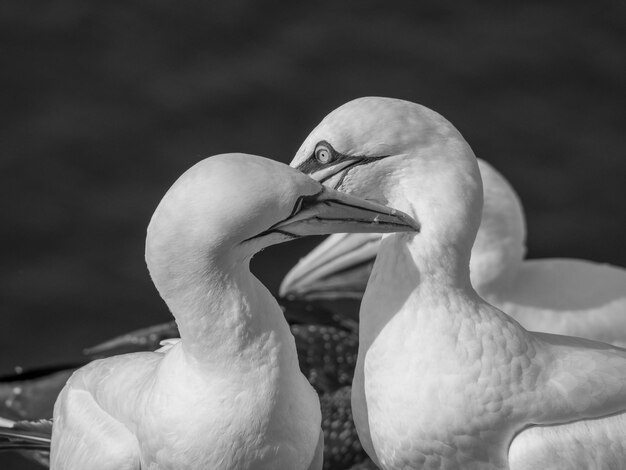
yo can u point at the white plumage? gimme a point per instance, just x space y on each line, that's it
230 394
561 296
445 380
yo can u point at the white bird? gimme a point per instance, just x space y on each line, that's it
443 379
230 394
553 295
340 266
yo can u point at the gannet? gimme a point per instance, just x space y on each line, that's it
326 356
443 379
554 295
230 394
339 266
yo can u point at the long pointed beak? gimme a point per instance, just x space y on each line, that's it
333 175
339 267
331 211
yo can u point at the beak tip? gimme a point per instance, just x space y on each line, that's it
410 221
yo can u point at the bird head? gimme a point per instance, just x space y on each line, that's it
355 148
235 205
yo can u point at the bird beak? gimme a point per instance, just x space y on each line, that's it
333 175
331 211
339 267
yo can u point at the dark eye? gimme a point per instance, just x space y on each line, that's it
324 153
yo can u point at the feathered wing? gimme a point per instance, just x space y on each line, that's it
568 297
97 411
581 378
584 444
85 436
580 419
339 267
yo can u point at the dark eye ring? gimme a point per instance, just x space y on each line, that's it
324 153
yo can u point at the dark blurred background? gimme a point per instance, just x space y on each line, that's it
104 104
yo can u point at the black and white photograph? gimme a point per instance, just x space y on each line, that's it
273 235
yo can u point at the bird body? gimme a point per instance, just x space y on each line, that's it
167 409
443 379
476 379
229 394
326 356
219 399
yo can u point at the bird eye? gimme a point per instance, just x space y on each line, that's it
323 153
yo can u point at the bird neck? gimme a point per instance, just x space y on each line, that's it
224 314
415 273
445 196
